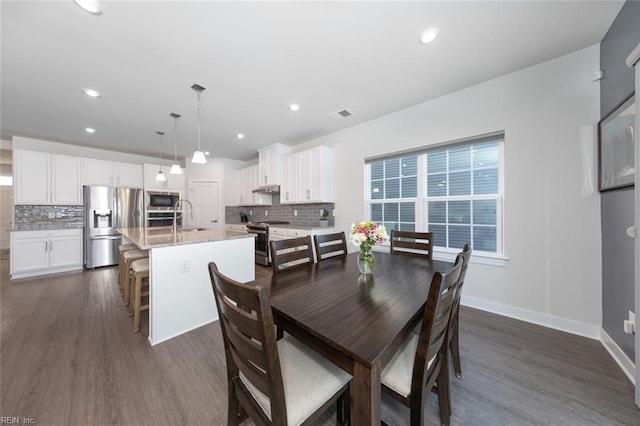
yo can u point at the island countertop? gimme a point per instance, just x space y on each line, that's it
149 238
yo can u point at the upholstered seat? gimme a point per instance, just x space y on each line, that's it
309 381
397 373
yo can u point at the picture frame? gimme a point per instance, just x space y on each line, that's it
616 147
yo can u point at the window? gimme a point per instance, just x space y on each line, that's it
394 193
454 191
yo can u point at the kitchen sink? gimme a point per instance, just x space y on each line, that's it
192 229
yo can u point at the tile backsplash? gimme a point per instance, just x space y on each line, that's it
296 214
33 217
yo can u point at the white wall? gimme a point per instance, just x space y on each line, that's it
552 231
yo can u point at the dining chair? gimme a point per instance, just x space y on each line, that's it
330 246
274 382
455 314
408 242
291 253
422 362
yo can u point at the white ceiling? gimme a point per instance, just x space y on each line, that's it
254 59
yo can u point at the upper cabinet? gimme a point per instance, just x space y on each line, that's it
174 182
247 182
307 176
43 178
112 173
269 164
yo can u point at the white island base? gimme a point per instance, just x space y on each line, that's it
180 293
181 296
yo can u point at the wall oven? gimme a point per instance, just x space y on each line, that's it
162 200
163 218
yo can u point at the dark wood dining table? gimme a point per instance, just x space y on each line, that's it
356 323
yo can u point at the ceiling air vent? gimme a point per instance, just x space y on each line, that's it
340 115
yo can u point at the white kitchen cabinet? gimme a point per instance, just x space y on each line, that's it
43 178
248 181
307 177
269 160
173 182
44 252
112 173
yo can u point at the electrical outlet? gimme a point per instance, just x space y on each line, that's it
52 215
334 212
266 212
184 266
250 212
58 215
628 327
295 212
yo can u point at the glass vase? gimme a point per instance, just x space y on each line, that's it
366 262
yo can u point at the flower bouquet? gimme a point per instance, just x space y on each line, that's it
365 235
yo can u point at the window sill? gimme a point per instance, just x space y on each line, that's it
483 259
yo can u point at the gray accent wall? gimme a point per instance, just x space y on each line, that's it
617 209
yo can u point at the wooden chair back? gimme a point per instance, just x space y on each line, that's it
250 345
291 253
466 255
454 327
433 344
329 246
407 242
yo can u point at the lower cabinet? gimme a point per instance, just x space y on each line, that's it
45 252
276 233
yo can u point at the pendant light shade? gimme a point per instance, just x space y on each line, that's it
198 155
160 177
175 167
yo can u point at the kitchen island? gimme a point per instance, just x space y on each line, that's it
180 294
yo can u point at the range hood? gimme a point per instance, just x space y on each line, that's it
267 189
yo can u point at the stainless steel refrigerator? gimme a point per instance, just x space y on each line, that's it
105 210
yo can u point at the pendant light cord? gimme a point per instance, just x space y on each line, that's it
198 120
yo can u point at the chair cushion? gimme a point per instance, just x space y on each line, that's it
125 247
140 265
309 381
135 254
397 374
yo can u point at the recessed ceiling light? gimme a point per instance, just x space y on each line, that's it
89 130
91 93
294 107
428 35
206 153
240 135
91 6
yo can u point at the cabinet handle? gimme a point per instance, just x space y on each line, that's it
287 195
265 179
308 194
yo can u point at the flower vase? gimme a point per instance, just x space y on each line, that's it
366 262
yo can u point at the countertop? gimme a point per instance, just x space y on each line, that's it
290 226
149 238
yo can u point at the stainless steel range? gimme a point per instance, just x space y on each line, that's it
261 229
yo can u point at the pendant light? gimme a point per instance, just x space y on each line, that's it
160 177
198 155
175 168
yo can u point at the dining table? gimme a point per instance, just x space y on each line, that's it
356 321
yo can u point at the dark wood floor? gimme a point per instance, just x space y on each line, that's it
69 357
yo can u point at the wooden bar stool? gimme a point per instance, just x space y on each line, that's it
128 257
140 272
121 249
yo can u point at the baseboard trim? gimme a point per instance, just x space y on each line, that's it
164 339
618 355
557 323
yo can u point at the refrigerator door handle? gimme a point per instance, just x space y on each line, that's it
107 237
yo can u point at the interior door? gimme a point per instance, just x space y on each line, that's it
206 204
6 209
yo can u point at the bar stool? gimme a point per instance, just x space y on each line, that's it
128 257
140 270
121 249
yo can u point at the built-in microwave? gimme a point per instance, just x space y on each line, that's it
162 200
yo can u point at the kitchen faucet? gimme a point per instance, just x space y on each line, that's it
175 211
